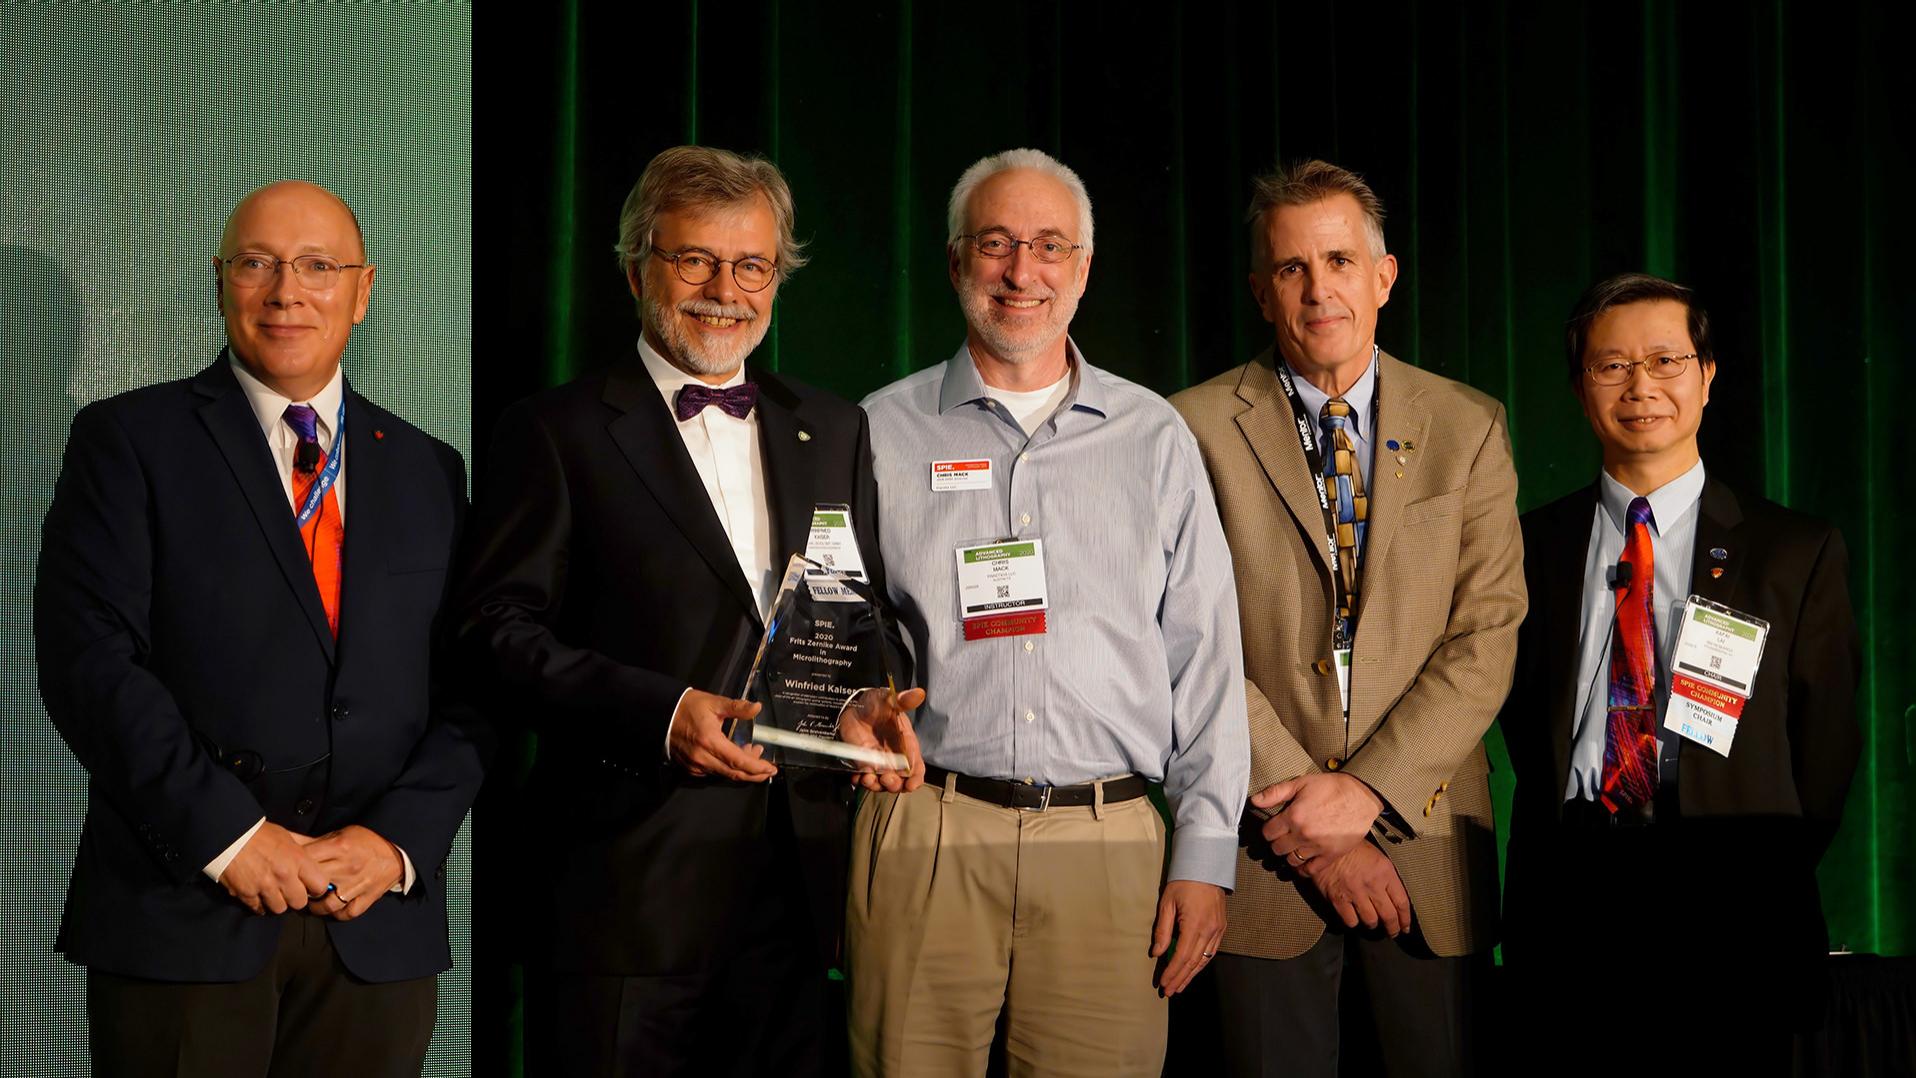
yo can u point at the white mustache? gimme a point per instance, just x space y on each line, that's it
717 310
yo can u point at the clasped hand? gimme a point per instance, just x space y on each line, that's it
1327 814
338 875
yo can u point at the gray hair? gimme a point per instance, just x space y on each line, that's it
704 177
1036 161
1313 181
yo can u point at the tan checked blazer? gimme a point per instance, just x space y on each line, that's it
1440 596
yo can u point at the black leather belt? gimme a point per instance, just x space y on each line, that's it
1024 795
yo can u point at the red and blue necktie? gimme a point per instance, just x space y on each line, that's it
1629 777
325 533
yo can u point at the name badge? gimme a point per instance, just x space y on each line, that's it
1001 588
948 475
834 547
1713 672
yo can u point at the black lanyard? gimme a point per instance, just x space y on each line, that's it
1314 459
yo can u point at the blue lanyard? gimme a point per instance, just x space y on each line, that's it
329 474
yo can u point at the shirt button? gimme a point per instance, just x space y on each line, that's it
305 806
1022 457
1029 645
1031 716
1024 518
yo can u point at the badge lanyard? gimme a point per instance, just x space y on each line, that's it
1314 459
328 474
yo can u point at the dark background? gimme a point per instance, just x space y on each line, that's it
1759 153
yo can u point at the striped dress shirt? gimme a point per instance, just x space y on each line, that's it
1140 667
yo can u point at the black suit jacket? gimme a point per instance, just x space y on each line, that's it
1740 835
178 627
598 585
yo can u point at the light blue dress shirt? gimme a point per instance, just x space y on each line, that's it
1673 509
1140 667
1359 397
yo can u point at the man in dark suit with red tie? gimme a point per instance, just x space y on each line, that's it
239 655
1661 903
681 907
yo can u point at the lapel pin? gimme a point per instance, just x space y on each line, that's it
1391 445
1401 459
1716 572
379 435
1719 553
1409 446
804 436
1400 475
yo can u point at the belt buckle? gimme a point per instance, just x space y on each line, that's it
1044 801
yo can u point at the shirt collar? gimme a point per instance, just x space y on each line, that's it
670 379
962 384
270 408
1668 502
1358 396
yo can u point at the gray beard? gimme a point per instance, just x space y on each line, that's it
683 349
1017 348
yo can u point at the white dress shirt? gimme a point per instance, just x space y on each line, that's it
725 453
270 409
1673 509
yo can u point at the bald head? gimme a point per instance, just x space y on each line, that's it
298 196
286 324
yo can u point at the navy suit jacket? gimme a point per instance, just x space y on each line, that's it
184 656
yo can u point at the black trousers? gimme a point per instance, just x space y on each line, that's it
763 1006
1416 1013
304 1015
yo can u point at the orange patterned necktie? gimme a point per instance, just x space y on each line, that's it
1629 776
325 532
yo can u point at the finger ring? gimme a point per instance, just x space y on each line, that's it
1208 954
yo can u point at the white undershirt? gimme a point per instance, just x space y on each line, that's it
1032 407
270 409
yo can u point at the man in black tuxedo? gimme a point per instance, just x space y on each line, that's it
1656 885
681 908
273 783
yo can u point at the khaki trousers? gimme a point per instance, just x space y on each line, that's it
960 910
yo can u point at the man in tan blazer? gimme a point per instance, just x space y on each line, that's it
1399 564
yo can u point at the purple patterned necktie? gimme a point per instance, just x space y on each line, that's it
736 401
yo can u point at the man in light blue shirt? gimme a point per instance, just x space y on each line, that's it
1024 877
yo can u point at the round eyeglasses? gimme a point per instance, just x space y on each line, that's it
695 266
996 243
251 269
1616 372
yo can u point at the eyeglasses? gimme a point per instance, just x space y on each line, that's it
251 269
695 266
996 243
1616 372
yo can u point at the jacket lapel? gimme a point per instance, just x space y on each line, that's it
648 437
1400 416
784 444
1561 604
1270 428
1718 515
374 505
229 419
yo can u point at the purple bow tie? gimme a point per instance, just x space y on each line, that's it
736 401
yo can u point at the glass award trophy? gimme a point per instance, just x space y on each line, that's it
823 642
